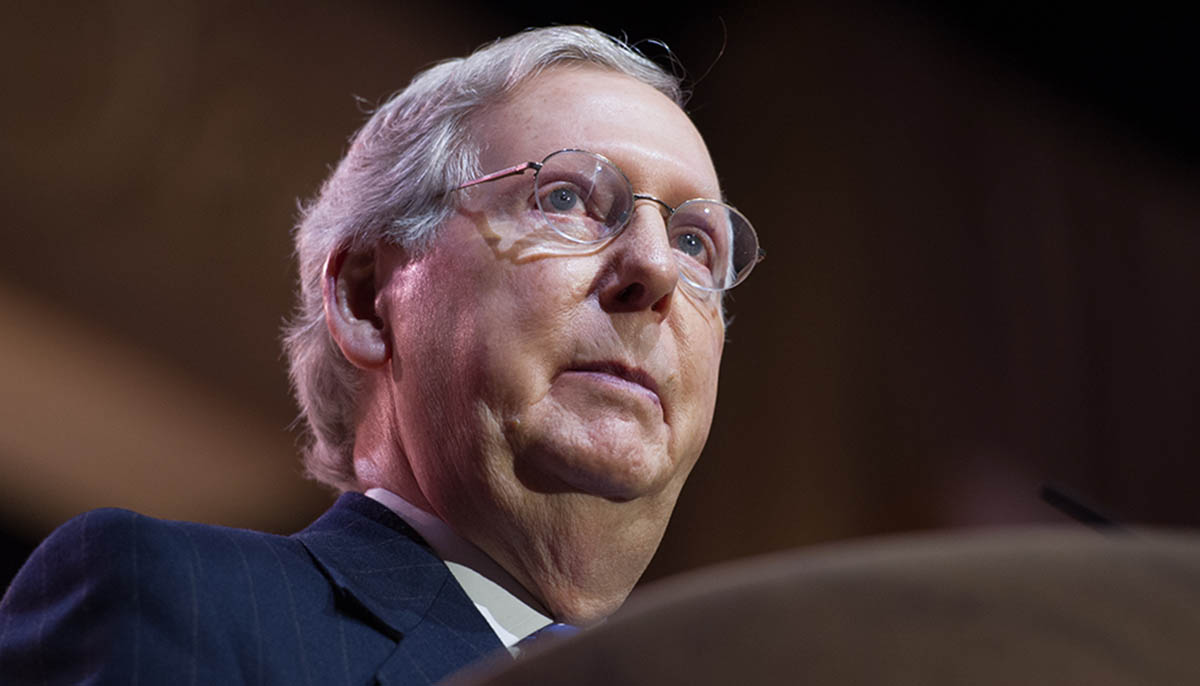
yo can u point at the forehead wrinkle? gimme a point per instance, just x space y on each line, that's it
667 177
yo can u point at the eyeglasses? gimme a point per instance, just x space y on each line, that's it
588 200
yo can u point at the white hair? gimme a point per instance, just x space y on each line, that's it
391 186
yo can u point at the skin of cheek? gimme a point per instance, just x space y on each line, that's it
702 341
471 364
429 403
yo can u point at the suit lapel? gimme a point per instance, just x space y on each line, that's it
453 636
380 566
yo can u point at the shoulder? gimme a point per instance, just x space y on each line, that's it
114 545
112 589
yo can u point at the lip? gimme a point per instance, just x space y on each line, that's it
634 375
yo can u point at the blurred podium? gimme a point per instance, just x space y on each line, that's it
1041 606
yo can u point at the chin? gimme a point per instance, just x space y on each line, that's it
617 488
583 612
609 462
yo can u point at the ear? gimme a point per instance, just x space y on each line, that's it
350 314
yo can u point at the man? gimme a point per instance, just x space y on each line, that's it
508 339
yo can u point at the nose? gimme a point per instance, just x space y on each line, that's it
643 265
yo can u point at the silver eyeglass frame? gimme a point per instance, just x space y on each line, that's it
514 170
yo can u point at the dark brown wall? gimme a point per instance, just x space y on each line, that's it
973 287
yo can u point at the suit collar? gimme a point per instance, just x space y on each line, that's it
509 609
378 562
379 565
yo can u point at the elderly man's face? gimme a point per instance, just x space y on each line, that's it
541 397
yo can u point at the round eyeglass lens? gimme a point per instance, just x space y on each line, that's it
714 244
582 197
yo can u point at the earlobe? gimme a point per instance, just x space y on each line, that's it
350 313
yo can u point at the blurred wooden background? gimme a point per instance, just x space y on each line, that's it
983 230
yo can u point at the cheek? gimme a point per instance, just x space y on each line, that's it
701 338
522 329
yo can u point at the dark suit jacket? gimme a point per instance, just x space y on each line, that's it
114 597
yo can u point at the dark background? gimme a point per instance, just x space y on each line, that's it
981 226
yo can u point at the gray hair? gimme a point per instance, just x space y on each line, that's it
391 185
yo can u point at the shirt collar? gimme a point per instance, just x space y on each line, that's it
508 608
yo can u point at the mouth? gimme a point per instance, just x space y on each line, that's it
632 375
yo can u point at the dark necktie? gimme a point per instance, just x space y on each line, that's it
547 635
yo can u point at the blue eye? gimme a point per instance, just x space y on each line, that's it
690 244
563 199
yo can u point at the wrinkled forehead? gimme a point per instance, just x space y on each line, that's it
647 135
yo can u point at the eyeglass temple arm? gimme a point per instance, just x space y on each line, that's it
510 171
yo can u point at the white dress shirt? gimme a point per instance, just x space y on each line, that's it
508 608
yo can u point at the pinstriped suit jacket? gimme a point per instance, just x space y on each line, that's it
113 597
